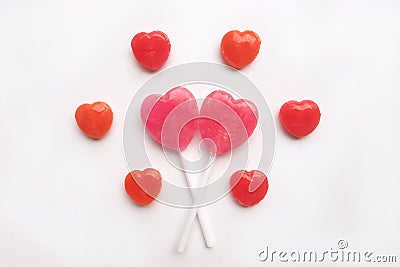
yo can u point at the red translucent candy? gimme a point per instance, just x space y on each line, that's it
300 118
152 49
239 49
94 119
143 186
248 188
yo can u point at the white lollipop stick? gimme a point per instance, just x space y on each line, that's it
200 212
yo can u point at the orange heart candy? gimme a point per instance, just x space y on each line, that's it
143 186
239 49
94 119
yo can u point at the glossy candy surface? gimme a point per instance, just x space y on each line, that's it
226 123
94 119
171 119
239 49
248 188
143 186
151 50
300 118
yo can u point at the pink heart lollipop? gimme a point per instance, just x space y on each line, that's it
171 119
226 122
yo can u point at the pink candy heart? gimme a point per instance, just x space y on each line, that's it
171 119
226 123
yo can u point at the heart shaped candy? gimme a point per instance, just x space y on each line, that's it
239 49
226 122
248 188
171 119
300 118
152 49
143 186
94 119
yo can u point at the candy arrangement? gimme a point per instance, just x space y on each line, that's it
224 123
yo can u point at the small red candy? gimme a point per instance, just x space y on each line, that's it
94 119
152 49
239 49
248 188
300 118
143 186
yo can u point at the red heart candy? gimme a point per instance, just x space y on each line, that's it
239 49
152 49
226 122
143 186
171 119
248 188
94 119
300 118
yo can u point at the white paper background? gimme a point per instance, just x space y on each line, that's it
62 201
